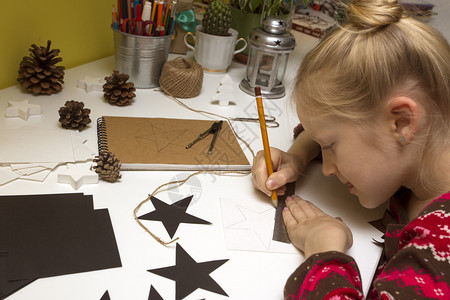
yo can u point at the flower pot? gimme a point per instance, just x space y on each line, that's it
244 23
214 53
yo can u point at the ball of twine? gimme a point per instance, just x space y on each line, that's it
181 78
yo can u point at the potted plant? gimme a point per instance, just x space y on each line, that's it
215 41
247 14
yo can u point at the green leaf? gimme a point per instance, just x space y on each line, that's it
242 3
254 4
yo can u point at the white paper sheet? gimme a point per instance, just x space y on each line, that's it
248 225
40 176
35 145
51 165
7 175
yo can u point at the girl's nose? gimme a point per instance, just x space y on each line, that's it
328 167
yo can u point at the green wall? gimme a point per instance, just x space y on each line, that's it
80 29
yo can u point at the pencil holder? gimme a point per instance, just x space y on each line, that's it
141 57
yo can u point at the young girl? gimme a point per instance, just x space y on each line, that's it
373 98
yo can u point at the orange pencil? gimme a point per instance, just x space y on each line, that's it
152 17
265 139
160 13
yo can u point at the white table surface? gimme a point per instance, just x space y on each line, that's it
247 275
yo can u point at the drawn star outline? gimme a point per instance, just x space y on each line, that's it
190 275
172 215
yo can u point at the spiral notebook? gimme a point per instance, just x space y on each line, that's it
160 144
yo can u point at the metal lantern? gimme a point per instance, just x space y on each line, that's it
270 47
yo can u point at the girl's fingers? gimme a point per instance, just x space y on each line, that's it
292 202
288 218
307 208
301 208
317 211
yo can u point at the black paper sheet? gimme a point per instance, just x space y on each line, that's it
50 235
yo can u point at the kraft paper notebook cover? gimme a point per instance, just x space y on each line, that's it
160 144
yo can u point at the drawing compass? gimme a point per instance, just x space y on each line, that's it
214 129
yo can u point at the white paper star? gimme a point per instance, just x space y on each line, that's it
91 84
22 109
77 175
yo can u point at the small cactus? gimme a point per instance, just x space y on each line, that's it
217 18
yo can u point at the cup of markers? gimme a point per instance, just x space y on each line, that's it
142 32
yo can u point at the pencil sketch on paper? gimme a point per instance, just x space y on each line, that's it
248 225
158 137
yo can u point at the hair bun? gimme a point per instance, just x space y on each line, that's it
371 15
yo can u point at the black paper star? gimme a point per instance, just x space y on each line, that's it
154 295
172 215
105 296
190 275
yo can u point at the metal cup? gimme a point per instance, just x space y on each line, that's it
141 57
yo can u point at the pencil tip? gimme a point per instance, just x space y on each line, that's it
257 91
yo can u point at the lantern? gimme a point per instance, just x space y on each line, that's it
270 47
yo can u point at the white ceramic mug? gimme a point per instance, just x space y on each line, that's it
214 53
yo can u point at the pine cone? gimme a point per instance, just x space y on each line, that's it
108 167
73 115
117 90
38 73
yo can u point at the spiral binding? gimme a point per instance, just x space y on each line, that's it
102 138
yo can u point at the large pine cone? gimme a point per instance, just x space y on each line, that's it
73 115
38 73
108 167
117 90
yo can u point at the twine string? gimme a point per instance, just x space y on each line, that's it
173 184
178 183
181 78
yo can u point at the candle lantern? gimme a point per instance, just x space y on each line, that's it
270 46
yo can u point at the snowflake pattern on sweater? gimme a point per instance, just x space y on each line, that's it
415 263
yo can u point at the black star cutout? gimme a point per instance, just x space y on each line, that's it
190 275
277 42
154 295
256 37
172 215
281 22
105 296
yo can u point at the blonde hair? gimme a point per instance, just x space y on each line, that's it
377 53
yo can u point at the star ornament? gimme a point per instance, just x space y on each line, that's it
91 84
172 215
77 175
22 109
190 275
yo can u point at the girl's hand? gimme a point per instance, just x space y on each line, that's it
313 231
284 172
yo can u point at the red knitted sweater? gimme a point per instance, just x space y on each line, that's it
415 263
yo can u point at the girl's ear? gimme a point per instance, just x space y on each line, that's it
403 117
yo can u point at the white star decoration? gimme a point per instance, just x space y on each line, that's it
77 175
91 84
22 109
